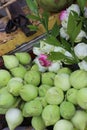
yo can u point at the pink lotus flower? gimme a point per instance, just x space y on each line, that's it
43 60
63 15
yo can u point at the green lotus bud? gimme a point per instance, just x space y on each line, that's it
42 100
35 67
28 92
16 79
50 114
10 61
14 86
43 89
54 95
64 70
23 57
19 71
5 76
32 77
7 100
71 95
79 120
78 79
48 78
82 98
67 110
32 108
3 110
62 81
38 123
3 90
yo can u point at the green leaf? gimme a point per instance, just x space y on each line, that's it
55 30
33 17
75 57
71 24
54 56
76 31
74 26
65 44
52 41
84 23
45 19
33 27
32 4
82 3
85 58
84 40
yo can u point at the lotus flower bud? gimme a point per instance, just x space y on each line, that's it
85 12
32 108
18 71
68 54
32 77
81 35
63 33
75 8
36 51
36 125
23 57
50 111
81 50
83 65
10 61
55 66
46 48
5 76
58 49
48 78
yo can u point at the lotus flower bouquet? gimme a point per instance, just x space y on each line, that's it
65 44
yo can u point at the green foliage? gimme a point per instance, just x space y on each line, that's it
32 4
52 41
60 56
74 26
82 3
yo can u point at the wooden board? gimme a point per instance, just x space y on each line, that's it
19 37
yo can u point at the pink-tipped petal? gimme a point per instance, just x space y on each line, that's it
63 15
43 60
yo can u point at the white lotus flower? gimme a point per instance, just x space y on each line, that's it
41 68
55 66
64 15
75 8
80 36
46 48
64 23
68 54
85 12
63 33
64 18
36 50
59 49
80 50
83 65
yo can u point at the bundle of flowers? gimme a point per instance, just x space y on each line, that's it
68 45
